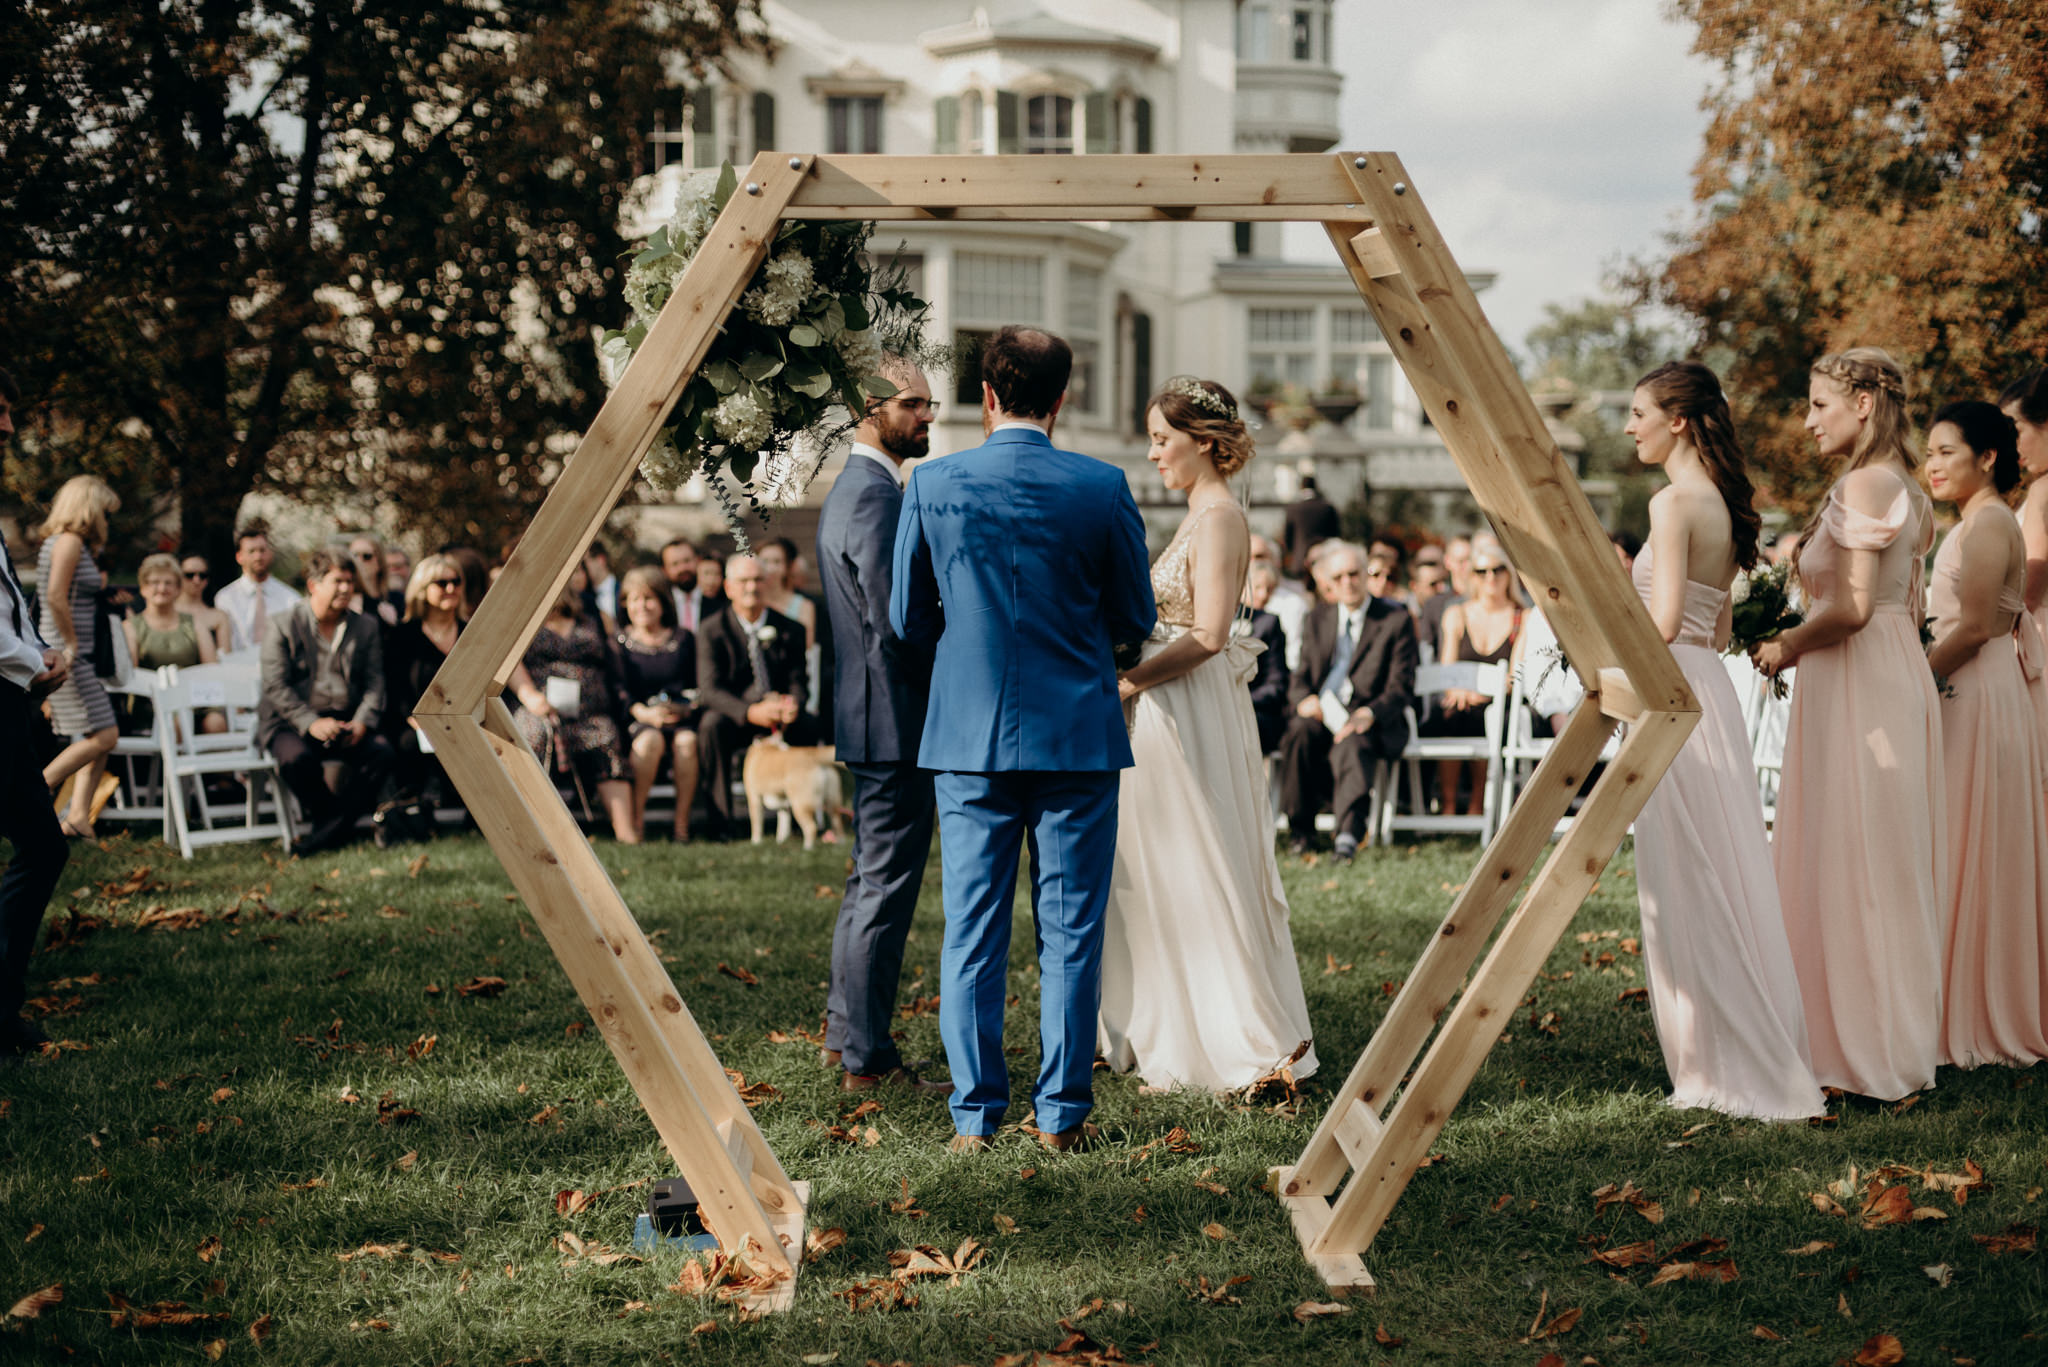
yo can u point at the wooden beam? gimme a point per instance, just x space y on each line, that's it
608 457
1618 696
1083 185
1081 213
1343 1273
1489 1000
1451 952
1371 246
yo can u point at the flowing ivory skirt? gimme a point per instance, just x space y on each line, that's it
1722 987
1200 986
1995 993
1860 857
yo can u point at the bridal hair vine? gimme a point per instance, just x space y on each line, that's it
1855 373
1199 394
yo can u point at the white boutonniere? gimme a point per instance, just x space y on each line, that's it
766 635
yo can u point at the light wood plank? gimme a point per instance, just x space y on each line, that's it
1358 1129
1343 1273
1085 184
1441 970
1593 577
1618 696
626 1017
1490 999
1371 246
609 455
1080 213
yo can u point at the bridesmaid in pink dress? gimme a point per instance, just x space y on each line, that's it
1858 873
1997 894
1722 987
2025 401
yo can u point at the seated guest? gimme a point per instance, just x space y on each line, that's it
1350 697
366 552
323 701
164 634
1425 581
414 652
658 660
1481 630
254 600
397 573
1289 601
1269 682
1429 615
710 586
571 699
679 567
211 621
750 678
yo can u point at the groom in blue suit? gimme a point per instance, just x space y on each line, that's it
1021 565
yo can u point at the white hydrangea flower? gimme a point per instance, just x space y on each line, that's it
785 285
648 287
862 352
742 421
694 212
781 480
665 466
612 358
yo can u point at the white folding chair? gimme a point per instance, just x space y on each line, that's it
1430 680
1750 689
138 762
191 756
1767 743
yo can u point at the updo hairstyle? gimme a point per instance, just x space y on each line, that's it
1207 412
1987 432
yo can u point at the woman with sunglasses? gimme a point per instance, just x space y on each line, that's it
211 621
436 606
1480 630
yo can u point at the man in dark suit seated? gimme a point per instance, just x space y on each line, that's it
750 682
1350 695
323 697
1269 684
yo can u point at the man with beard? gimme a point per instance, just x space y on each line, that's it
679 566
878 701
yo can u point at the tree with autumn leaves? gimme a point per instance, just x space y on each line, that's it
334 248
1874 172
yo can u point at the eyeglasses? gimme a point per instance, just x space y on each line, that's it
912 405
446 584
1375 574
195 574
1492 569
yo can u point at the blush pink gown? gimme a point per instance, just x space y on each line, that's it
1722 987
1997 891
1858 849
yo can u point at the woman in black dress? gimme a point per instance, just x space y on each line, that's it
1480 630
571 702
436 606
658 660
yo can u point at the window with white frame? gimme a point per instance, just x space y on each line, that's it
1084 335
1282 347
853 124
1354 340
989 290
1255 33
685 130
1048 125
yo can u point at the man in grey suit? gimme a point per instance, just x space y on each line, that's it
878 707
323 697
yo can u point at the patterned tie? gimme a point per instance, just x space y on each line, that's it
261 621
755 658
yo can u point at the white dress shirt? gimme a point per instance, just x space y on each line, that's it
889 462
21 643
238 601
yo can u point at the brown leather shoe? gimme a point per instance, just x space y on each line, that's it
828 1058
896 1079
969 1143
1080 1139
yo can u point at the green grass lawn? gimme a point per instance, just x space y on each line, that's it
196 1147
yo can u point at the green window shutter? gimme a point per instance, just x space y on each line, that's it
1007 141
1101 123
946 122
764 121
703 127
1141 125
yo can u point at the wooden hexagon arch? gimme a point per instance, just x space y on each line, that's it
1386 239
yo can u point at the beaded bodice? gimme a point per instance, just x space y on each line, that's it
1173 586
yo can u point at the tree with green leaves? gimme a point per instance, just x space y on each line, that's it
352 249
1602 345
1874 172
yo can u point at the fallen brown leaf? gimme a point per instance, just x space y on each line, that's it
819 1242
33 1231
2015 1239
1883 1205
705 1327
1940 1274
1315 1310
1627 1255
36 1302
1562 1323
417 867
1805 1249
573 1202
261 1328
544 1114
1827 1205
209 1248
1705 1270
1215 1231
1879 1350
926 1261
1385 1339
1005 1225
879 1293
739 974
422 1047
1215 1295
908 1205
404 1162
1767 1334
482 987
1213 1188
214 1348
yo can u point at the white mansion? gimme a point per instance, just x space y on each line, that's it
1138 301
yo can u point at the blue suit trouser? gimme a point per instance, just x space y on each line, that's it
984 821
892 839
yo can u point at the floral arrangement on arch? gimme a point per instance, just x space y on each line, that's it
798 358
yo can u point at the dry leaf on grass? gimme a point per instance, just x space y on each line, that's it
214 1349
261 1328
36 1302
739 974
1005 1225
221 1094
1213 1188
1827 1205
2015 1239
405 1161
753 1093
417 867
705 1327
33 1231
1767 1334
377 1326
1806 1249
422 1047
819 1242
1701 1270
576 1250
1215 1231
1561 1323
1879 1350
1940 1274
1627 1194
908 1205
926 1261
1627 1255
374 1251
389 1112
162 1315
482 987
1219 1294
209 1248
544 1114
879 1293
308 1185
1315 1310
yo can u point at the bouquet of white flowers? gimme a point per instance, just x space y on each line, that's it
795 364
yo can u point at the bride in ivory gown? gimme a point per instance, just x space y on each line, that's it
1200 986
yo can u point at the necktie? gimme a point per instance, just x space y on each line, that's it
1340 660
756 660
260 622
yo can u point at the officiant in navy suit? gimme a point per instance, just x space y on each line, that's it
878 706
1022 565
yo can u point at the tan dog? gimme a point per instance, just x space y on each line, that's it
799 779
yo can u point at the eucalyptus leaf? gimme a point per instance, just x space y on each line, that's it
807 378
725 377
877 386
832 321
855 311
728 181
742 464
635 335
803 334
759 367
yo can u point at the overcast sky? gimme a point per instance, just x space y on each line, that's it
1552 139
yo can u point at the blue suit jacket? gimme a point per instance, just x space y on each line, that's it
881 682
1022 564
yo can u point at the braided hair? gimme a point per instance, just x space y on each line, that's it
1887 433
